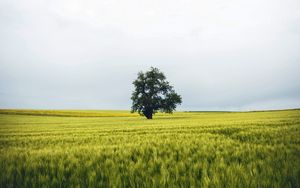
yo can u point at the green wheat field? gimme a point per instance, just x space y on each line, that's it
53 148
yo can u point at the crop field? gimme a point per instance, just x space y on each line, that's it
118 149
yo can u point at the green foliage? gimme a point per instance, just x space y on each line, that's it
255 149
152 93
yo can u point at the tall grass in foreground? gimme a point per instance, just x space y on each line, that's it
255 149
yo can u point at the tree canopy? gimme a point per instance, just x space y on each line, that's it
153 93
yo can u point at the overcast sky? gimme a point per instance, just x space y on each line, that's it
218 54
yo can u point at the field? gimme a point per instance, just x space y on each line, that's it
119 149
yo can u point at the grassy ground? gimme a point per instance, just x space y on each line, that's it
119 149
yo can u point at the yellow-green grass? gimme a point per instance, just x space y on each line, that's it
119 149
70 113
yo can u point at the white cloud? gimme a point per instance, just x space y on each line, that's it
85 54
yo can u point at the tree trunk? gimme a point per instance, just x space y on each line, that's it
148 114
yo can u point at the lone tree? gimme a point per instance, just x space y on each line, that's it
153 93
